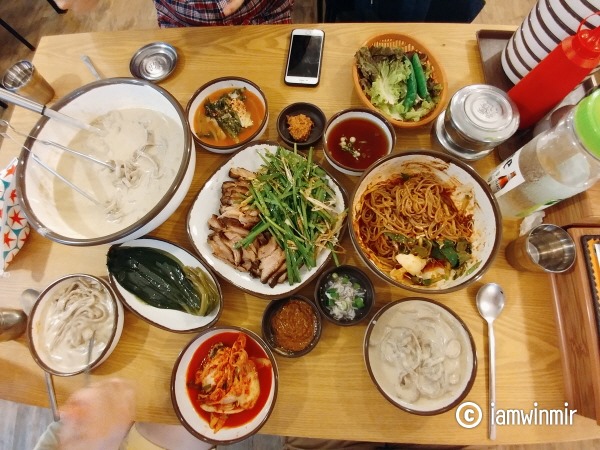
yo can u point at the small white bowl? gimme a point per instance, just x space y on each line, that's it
378 139
197 100
69 356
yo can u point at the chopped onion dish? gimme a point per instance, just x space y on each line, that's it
344 296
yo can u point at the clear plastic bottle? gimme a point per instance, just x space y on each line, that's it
555 165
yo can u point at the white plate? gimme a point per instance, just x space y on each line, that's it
187 414
168 319
207 203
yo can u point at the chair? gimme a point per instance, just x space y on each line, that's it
461 11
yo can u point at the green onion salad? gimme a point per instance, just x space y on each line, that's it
298 206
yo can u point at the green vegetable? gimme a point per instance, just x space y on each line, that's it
386 75
411 90
297 206
419 76
161 280
222 111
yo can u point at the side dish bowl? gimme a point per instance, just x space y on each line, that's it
60 326
292 326
344 295
313 112
209 134
432 382
355 138
184 395
407 44
169 319
433 189
136 118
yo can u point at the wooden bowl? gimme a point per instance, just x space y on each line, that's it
407 44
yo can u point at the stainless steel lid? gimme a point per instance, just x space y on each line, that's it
18 75
154 62
481 117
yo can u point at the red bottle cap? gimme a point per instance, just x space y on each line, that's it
584 47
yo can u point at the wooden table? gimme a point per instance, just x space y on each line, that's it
328 393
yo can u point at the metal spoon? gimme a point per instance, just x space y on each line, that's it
88 63
490 302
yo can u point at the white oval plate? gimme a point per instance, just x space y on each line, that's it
207 203
184 409
168 319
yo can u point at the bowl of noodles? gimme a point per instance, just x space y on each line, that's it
425 221
75 324
226 113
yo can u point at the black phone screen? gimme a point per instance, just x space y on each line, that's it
305 56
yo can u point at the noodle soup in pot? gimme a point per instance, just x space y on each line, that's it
425 221
69 314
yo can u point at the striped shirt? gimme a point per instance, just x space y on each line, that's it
190 13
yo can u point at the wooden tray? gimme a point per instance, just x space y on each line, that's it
575 307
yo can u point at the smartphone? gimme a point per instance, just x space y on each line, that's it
303 66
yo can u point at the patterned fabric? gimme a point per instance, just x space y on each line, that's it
191 13
14 227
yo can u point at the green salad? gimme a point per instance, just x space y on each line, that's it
398 83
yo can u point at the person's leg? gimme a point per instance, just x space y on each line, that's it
298 443
170 437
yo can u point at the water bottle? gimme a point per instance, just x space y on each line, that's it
556 75
556 164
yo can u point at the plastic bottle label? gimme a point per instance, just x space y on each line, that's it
506 176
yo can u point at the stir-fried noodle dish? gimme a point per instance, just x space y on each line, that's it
417 228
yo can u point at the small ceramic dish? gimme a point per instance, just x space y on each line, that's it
313 112
208 134
344 295
169 319
291 326
61 327
356 138
185 392
442 365
154 62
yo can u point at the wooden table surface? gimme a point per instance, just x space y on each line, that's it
327 393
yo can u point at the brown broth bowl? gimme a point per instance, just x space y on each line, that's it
219 86
375 138
269 334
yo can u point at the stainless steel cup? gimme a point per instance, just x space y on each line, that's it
545 248
24 79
